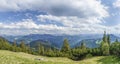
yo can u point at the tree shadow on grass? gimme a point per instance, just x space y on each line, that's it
110 60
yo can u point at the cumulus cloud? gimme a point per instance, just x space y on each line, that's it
25 23
71 21
77 25
116 4
81 8
28 26
67 17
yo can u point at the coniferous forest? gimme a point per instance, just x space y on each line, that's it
81 52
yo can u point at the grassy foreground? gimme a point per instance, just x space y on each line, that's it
110 60
8 57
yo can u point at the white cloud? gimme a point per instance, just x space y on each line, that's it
116 4
71 21
25 23
75 25
28 26
73 16
80 8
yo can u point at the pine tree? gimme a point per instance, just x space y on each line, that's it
116 40
105 44
83 45
105 49
14 43
105 37
23 47
115 48
39 50
42 50
14 47
108 39
65 47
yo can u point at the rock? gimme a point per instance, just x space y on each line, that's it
39 59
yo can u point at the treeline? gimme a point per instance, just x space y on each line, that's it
5 45
106 48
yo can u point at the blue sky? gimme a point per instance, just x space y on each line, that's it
71 17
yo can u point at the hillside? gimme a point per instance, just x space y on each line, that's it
8 57
57 40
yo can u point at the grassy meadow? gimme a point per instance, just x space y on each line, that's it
8 57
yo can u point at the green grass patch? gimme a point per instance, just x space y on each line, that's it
8 57
110 60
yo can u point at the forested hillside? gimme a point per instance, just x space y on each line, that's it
81 52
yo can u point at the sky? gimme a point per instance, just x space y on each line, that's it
58 17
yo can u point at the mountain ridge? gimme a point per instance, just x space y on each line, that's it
57 40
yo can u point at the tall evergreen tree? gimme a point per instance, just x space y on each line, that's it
105 37
14 43
4 44
22 46
14 46
65 47
38 48
116 40
42 50
105 49
83 45
108 39
115 48
105 44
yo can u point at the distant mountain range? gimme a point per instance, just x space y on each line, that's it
91 40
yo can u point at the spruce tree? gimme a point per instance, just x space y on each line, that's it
105 44
14 47
83 45
42 50
23 47
14 43
38 48
105 37
65 46
105 49
108 39
116 40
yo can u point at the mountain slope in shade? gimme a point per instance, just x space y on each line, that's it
5 40
34 44
92 43
55 40
91 40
